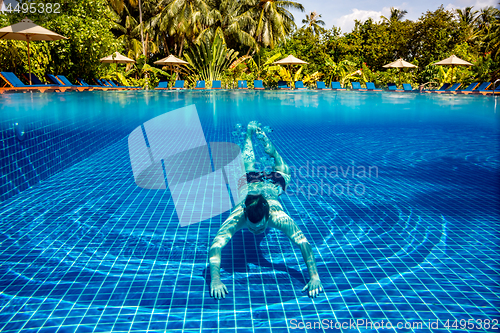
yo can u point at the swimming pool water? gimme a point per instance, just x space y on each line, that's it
83 249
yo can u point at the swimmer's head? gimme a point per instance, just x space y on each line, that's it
256 208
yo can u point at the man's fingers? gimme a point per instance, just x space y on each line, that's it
227 292
305 287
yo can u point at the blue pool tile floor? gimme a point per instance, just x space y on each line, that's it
89 251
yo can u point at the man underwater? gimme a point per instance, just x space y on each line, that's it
261 210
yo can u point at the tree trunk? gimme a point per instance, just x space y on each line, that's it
142 33
166 43
182 46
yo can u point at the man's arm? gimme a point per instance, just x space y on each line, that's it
224 235
284 223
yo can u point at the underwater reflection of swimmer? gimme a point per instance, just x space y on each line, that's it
260 210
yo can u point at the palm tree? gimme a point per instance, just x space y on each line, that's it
234 19
119 6
397 15
182 20
468 18
313 23
273 21
131 37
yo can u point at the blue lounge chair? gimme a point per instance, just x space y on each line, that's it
200 84
336 86
65 82
55 81
357 86
112 85
443 88
216 84
483 86
162 85
453 89
283 85
179 84
34 78
320 85
242 84
479 89
371 86
470 87
393 87
407 87
85 84
17 85
489 92
108 85
101 83
257 85
299 85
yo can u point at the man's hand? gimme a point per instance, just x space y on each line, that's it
314 287
218 290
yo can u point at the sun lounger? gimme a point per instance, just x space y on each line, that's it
216 84
283 85
443 88
371 87
85 84
112 85
258 85
55 81
470 87
408 88
336 86
357 86
179 84
393 87
481 89
200 84
162 85
34 78
17 85
299 85
320 85
103 84
451 90
65 82
491 92
242 84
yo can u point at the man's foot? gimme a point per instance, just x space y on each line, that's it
252 127
266 142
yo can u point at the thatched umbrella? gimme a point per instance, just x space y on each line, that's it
290 60
453 61
171 60
28 31
116 58
400 63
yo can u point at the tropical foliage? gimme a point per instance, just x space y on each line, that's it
231 40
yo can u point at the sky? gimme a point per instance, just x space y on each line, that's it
342 14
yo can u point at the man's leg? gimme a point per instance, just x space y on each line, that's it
279 164
248 154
